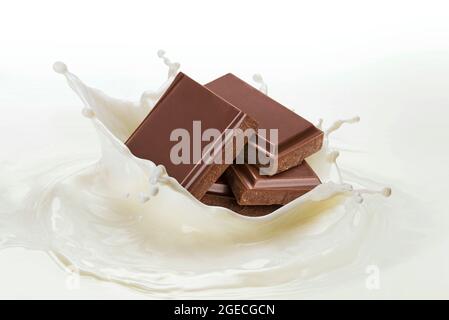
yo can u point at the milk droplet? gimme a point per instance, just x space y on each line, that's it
60 67
337 124
263 86
258 78
386 192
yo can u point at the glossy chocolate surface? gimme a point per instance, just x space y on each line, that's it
252 188
184 102
297 137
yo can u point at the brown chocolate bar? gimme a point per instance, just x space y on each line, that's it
297 137
251 188
184 103
220 195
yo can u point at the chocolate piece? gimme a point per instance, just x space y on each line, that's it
251 188
221 195
297 137
184 103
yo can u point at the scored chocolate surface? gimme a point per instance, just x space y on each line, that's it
251 188
219 194
297 137
184 102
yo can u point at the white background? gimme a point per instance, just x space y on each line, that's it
387 61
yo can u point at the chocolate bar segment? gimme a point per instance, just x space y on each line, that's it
184 105
251 188
297 137
220 195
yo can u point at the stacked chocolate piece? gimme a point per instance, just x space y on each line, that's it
188 132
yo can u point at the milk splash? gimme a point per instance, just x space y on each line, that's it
124 220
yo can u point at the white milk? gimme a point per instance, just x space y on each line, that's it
124 220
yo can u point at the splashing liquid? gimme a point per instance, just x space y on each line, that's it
124 220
